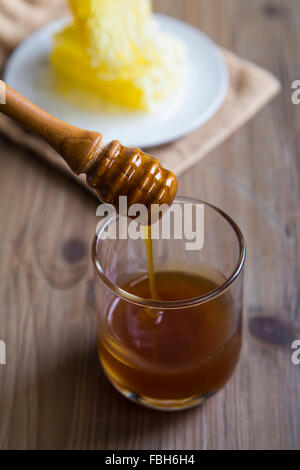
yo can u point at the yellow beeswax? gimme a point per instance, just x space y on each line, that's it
116 49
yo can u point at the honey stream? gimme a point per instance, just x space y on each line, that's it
149 250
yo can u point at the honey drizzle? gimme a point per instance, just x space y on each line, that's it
149 251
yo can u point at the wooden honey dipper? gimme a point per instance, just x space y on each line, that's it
112 170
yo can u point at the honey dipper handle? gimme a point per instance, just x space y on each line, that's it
78 147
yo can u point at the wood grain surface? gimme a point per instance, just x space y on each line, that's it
53 394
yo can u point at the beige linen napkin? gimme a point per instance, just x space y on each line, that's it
251 87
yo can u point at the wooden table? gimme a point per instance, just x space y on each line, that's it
53 394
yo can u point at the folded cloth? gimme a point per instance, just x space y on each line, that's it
251 87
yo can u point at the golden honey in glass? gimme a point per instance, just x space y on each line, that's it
174 348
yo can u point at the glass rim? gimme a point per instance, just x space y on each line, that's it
178 304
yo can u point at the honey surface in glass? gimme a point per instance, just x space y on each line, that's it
171 354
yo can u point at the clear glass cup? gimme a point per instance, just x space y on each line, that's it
174 353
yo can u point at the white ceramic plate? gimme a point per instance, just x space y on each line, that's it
197 100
